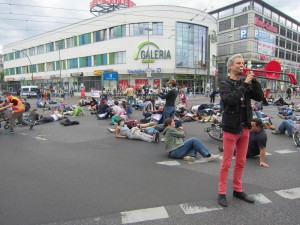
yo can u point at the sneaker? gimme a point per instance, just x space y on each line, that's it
243 196
222 200
110 130
162 140
189 158
276 131
212 158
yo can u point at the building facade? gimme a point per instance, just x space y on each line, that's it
261 33
137 46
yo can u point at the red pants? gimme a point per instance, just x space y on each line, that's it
230 142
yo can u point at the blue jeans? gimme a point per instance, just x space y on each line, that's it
257 114
286 125
130 99
169 112
190 148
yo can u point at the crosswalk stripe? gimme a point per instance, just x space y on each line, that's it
144 215
193 209
23 134
285 151
169 163
293 193
44 139
260 198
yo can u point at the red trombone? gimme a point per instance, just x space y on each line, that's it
271 71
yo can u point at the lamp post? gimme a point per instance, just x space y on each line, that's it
59 62
30 68
148 56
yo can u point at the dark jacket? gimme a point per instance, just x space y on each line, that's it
231 93
170 97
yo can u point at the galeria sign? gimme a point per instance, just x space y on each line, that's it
127 3
143 52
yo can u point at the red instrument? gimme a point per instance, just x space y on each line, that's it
271 71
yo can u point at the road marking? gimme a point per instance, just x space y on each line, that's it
285 151
144 215
221 157
193 209
41 138
23 134
260 198
293 193
169 163
267 153
198 161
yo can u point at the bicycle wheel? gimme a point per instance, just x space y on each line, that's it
216 134
296 138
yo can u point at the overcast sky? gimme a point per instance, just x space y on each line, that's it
18 21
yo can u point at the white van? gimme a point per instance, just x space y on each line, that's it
28 91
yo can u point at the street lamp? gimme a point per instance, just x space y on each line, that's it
148 57
31 67
59 62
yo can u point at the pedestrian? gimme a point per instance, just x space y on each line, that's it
170 96
17 114
236 95
129 92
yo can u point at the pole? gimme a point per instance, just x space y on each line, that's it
208 61
195 65
148 55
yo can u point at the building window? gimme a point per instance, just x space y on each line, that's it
73 63
117 32
241 20
100 35
225 13
295 36
120 57
190 45
276 25
294 48
84 39
60 45
289 45
157 28
17 55
12 71
41 67
50 47
100 60
281 54
275 16
62 64
267 12
288 55
282 20
33 68
282 42
85 61
242 8
294 57
18 70
289 24
32 51
240 47
276 52
50 66
40 49
289 34
258 7
282 31
138 29
72 42
24 69
225 25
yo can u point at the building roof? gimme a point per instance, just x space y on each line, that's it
261 3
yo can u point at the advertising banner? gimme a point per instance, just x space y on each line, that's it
156 82
123 84
266 44
141 82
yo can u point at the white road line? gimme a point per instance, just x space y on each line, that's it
285 151
169 163
41 138
260 198
221 157
289 193
144 215
193 209
267 153
198 161
23 134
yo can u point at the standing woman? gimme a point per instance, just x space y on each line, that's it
82 91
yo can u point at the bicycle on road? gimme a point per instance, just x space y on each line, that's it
215 131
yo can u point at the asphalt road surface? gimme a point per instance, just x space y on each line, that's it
81 174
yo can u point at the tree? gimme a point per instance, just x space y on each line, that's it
1 75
